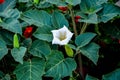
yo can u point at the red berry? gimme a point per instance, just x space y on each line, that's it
76 20
77 17
28 32
2 1
63 8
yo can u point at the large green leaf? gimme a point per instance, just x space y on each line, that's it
83 39
27 42
57 2
43 4
91 18
73 2
88 77
8 4
44 33
12 25
23 0
109 11
91 51
58 20
18 54
115 75
91 6
58 67
30 70
7 36
36 17
40 49
3 48
11 13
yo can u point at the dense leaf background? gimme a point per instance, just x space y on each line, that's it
91 54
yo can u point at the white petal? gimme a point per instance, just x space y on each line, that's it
55 41
55 33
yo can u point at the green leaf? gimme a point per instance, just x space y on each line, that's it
40 49
30 70
11 13
12 25
58 67
109 12
9 4
91 18
6 77
73 2
69 51
91 6
91 51
99 2
72 46
44 4
16 41
27 42
44 33
57 2
83 39
18 54
7 36
23 1
3 48
115 75
37 17
88 77
58 20
1 74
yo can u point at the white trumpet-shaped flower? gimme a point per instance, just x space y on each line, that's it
61 36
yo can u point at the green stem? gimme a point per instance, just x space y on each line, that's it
75 31
73 21
97 30
84 27
1 20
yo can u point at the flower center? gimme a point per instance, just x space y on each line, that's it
62 35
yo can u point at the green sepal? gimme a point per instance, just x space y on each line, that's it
16 41
69 50
35 1
1 20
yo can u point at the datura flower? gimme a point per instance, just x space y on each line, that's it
61 36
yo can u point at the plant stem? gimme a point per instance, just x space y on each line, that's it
84 27
73 21
97 30
75 31
80 66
